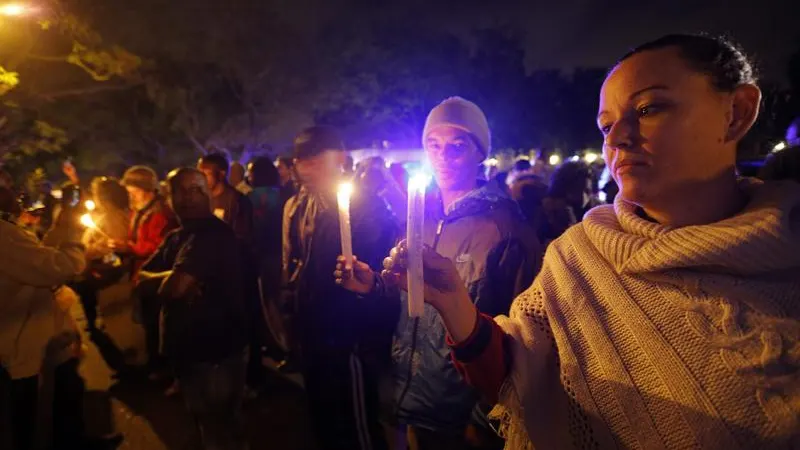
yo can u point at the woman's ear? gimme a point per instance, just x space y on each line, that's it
746 102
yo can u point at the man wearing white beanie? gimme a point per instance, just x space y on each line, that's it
476 225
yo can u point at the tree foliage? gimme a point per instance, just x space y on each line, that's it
117 83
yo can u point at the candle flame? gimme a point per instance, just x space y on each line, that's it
90 205
345 190
13 9
87 221
419 182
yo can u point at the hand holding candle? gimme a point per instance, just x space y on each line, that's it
415 242
343 200
88 222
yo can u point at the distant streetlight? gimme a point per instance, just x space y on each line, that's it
590 157
14 9
554 160
779 146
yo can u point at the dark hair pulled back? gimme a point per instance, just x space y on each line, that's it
717 57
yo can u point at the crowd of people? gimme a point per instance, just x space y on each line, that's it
666 317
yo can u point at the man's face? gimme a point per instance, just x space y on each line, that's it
455 157
189 195
213 175
320 172
284 172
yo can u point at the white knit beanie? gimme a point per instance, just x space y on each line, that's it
462 114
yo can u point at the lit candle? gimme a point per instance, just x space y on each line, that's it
415 242
343 199
88 222
90 206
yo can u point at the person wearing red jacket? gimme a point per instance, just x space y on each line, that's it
151 220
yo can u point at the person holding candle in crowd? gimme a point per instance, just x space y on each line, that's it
478 227
669 319
151 220
112 218
344 339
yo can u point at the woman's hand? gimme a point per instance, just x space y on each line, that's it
360 279
443 286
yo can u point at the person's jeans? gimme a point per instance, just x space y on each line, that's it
213 393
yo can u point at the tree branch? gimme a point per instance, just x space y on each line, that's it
88 90
48 58
200 148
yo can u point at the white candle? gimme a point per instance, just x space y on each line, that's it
88 222
415 241
343 199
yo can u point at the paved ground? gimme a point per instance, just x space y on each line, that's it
150 421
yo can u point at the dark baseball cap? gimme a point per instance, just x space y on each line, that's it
315 140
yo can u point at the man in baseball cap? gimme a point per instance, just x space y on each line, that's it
342 337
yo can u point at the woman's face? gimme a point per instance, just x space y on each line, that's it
666 128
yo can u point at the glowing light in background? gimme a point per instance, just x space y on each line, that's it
491 162
90 206
590 157
575 158
779 146
13 10
554 160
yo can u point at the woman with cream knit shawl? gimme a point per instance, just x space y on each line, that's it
666 320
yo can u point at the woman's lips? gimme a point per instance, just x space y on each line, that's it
625 167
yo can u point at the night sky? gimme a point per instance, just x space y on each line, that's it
555 33
572 33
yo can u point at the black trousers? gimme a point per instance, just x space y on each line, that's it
342 390
87 291
67 424
151 321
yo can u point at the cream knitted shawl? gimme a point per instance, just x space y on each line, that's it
635 335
